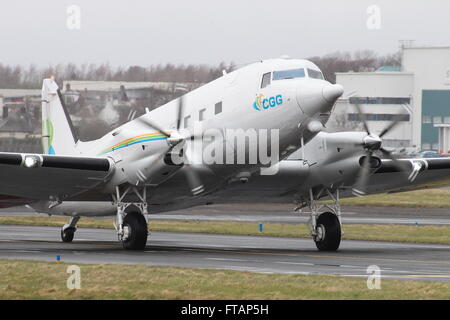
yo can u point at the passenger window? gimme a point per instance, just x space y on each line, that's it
218 107
265 80
187 121
201 114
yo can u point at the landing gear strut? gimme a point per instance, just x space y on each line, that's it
131 219
326 227
68 230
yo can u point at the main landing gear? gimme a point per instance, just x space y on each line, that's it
68 230
326 227
131 220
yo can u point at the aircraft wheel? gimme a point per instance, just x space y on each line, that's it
328 231
67 234
135 231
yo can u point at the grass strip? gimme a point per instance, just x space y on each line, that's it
44 280
430 198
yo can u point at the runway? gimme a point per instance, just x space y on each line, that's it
245 253
284 213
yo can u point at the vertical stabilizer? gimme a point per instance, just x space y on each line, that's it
58 134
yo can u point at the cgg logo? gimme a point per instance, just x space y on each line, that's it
266 103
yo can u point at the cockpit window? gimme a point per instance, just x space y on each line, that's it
315 74
265 80
289 74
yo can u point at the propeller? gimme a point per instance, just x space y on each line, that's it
371 144
175 138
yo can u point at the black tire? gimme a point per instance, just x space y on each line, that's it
68 234
331 228
138 232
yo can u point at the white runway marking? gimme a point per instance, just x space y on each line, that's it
236 260
295 263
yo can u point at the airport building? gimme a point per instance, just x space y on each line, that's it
417 94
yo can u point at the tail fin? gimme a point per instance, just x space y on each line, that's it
58 134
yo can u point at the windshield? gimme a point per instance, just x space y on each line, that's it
289 74
315 74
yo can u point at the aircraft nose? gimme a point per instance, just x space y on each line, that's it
332 92
315 97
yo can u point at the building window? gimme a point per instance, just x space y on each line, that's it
201 114
187 121
378 100
435 146
393 143
426 119
378 117
425 146
446 119
437 119
218 108
265 80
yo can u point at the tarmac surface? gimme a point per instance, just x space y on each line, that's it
245 253
284 213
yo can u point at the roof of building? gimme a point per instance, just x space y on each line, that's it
377 73
115 85
427 47
11 93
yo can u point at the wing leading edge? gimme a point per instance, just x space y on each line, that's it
44 177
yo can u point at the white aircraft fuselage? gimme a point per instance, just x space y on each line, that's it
237 100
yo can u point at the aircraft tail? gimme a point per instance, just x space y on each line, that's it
58 134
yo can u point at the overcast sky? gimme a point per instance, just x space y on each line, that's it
138 32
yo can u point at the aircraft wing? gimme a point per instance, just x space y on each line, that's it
420 164
44 177
422 173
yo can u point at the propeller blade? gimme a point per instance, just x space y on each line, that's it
400 165
152 125
200 136
195 184
144 176
362 117
391 126
180 111
360 188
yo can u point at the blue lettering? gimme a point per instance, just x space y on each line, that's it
272 102
264 103
279 99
